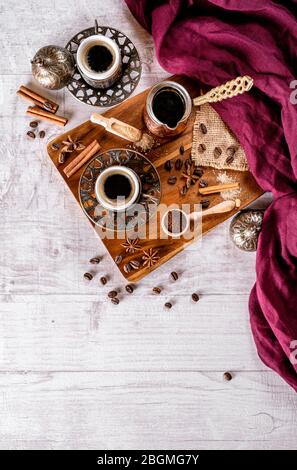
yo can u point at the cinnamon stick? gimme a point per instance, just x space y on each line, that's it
218 188
82 158
37 99
46 116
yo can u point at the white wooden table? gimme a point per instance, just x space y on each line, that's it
77 372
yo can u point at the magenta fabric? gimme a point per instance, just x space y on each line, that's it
213 41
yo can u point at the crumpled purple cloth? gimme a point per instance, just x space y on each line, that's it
213 41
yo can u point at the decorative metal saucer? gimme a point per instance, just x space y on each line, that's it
131 70
148 201
245 228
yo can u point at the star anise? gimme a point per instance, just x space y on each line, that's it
190 176
131 245
150 257
69 146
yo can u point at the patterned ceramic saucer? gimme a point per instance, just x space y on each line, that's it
149 197
128 81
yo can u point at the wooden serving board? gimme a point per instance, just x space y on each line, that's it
130 111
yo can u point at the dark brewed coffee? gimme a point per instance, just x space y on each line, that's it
168 106
99 58
117 185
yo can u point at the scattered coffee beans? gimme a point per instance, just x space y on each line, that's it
182 150
168 305
198 172
168 165
183 191
31 134
203 128
129 288
115 301
157 290
230 159
172 180
112 294
33 124
205 203
127 268
201 148
55 146
203 184
174 276
227 376
95 260
195 297
134 264
118 259
178 164
42 134
217 152
103 280
88 276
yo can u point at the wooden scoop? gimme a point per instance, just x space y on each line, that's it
119 128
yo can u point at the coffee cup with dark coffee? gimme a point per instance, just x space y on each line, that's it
99 61
117 188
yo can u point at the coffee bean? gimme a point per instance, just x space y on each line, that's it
203 128
188 163
157 290
231 151
178 164
31 134
95 260
227 376
183 191
88 276
182 150
129 288
134 264
229 159
195 297
42 134
174 276
168 165
118 259
172 180
201 148
203 184
115 301
112 294
33 124
127 268
198 172
55 146
168 305
103 280
217 152
205 203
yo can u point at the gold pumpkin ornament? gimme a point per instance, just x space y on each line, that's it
53 67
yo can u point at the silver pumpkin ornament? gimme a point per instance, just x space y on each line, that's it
245 228
53 67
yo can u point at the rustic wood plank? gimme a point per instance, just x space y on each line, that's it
157 410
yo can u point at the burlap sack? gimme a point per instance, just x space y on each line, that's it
218 136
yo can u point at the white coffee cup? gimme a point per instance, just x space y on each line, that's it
119 203
99 79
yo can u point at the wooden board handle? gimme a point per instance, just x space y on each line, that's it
230 89
117 127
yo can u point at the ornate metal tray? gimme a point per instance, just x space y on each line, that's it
128 81
149 198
